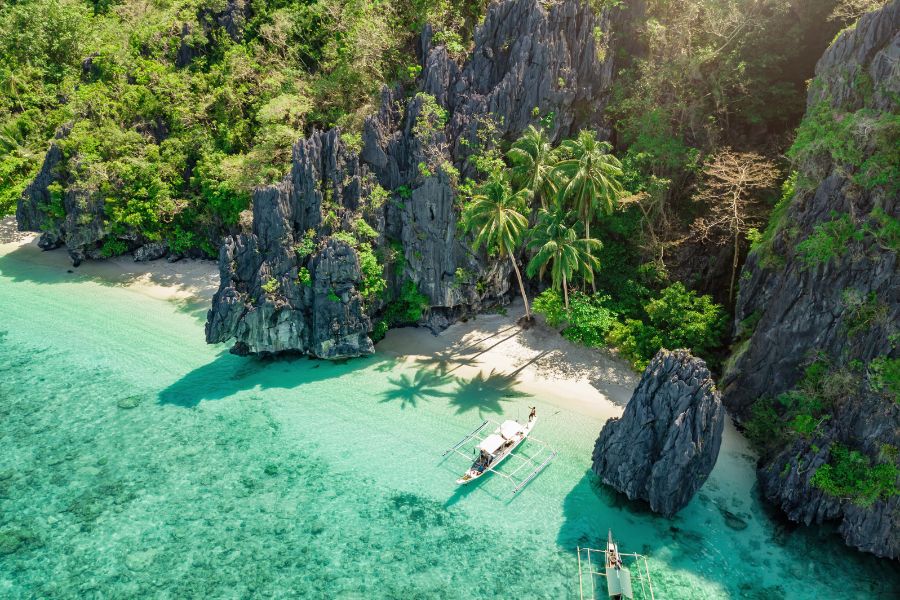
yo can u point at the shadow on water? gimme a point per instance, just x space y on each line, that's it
228 374
460 493
590 509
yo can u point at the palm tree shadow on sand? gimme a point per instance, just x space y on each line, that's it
485 393
445 362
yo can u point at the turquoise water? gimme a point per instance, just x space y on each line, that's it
137 462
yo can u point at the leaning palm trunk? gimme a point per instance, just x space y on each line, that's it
566 291
512 259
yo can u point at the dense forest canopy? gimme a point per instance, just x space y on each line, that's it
174 110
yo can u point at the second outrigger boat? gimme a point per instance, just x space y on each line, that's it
621 578
497 446
618 577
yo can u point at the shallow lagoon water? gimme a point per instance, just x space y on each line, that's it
136 461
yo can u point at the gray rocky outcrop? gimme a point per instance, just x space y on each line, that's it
843 307
150 251
65 215
528 62
667 441
231 17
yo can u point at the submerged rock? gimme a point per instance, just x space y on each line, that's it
10 541
666 443
129 402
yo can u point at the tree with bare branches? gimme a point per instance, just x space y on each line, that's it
730 186
849 11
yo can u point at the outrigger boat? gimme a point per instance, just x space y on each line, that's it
496 447
618 576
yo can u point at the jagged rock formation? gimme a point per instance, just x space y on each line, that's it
528 62
73 216
666 443
842 305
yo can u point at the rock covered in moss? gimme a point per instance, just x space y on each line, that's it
666 443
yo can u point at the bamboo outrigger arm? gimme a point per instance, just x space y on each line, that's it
465 439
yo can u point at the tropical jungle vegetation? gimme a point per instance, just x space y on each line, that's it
175 109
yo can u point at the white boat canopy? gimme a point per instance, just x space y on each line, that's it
491 443
510 429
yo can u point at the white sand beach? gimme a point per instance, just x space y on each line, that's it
537 360
187 280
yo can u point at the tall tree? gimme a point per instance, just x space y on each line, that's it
495 215
532 160
730 180
561 250
592 178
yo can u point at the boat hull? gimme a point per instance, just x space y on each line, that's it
474 474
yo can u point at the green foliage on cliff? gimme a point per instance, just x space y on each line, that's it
863 143
373 282
849 474
409 306
174 111
884 376
802 410
271 286
862 312
762 244
829 240
833 238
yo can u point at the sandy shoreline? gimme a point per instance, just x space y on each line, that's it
491 347
187 280
538 360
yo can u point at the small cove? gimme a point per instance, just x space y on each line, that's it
136 461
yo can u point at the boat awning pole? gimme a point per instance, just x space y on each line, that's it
591 572
465 439
580 580
649 581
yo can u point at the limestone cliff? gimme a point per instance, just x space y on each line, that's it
528 61
666 443
819 302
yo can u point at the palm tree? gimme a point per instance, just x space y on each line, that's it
494 213
591 177
532 160
561 250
